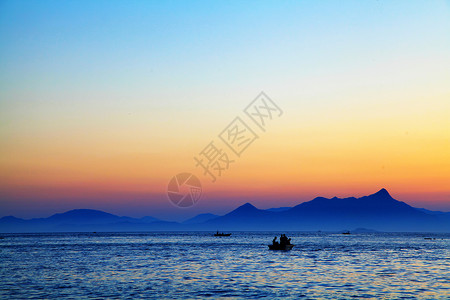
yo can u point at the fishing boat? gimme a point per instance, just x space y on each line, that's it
221 234
281 247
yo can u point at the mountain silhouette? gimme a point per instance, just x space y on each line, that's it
245 217
83 216
278 209
75 220
433 212
200 218
379 211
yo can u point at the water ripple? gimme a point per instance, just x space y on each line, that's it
196 265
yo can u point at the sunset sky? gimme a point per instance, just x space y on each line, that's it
102 102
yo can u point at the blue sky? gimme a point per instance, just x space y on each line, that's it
85 84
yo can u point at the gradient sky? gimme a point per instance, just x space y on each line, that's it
102 102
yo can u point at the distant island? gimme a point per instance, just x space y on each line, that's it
376 212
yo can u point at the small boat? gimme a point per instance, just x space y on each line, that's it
221 234
346 232
281 247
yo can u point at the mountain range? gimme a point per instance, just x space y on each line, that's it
378 211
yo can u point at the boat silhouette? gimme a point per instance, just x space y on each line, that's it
281 247
221 234
284 244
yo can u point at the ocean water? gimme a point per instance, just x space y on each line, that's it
197 265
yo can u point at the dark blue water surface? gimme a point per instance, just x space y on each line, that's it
197 265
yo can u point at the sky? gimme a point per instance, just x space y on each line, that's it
103 102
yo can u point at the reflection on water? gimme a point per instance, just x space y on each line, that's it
193 265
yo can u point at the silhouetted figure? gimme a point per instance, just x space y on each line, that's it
274 241
282 240
285 243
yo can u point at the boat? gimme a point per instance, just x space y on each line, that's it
221 234
281 247
346 232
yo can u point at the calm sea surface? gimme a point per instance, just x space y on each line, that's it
197 265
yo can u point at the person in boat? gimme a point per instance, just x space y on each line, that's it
274 241
284 240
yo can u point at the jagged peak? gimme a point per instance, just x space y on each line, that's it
244 209
318 198
383 192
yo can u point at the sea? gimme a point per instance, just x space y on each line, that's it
193 265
